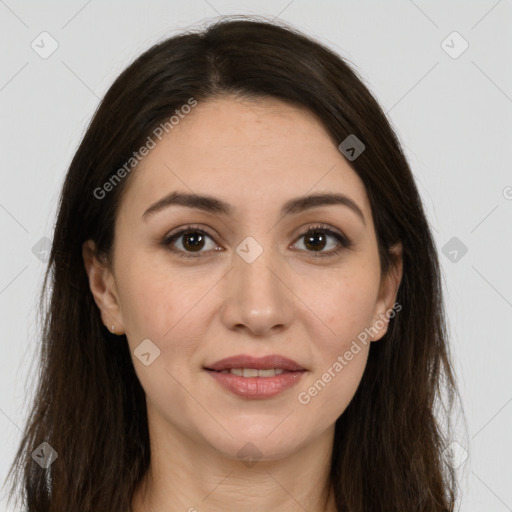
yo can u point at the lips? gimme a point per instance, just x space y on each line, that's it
256 378
259 363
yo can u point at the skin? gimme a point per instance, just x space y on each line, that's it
254 155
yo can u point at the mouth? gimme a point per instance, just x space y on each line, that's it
254 372
248 365
256 378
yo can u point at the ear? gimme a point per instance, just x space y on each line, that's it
103 288
387 293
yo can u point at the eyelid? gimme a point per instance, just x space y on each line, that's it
185 229
323 227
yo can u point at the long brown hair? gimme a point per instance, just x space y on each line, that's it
90 406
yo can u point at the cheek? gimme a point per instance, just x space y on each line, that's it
153 299
159 307
345 301
329 392
346 305
165 307
145 305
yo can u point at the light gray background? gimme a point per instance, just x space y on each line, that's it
453 116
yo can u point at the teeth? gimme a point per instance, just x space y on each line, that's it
265 373
253 372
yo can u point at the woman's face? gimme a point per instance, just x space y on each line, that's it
255 284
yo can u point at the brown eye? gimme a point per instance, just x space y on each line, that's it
188 242
316 239
193 241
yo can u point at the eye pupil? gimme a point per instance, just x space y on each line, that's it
193 241
309 240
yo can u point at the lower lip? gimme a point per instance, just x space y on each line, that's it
257 387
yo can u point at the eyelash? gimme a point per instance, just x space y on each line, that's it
343 242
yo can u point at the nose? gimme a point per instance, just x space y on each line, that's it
258 298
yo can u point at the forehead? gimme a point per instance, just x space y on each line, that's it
245 151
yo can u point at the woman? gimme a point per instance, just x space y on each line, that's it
245 305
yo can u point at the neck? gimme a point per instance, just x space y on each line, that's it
185 475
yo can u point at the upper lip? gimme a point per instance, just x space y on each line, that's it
259 363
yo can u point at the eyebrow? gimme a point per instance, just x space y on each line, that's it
213 205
